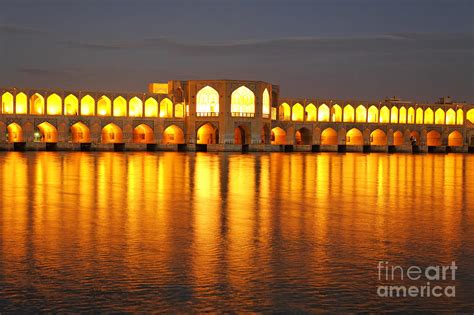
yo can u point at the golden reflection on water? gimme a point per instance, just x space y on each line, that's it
253 232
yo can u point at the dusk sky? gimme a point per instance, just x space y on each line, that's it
367 49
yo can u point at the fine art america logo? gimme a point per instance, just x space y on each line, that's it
416 281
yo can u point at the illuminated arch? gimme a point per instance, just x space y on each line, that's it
470 115
429 116
21 103
373 116
71 105
284 112
439 117
402 115
207 134
354 137
207 102
151 107
166 108
54 104
419 115
7 103
311 113
120 107
323 113
15 133
88 106
433 138
336 113
450 117
278 136
143 134
179 110
384 115
455 139
242 101
398 138
37 104
394 115
378 137
135 107
112 134
173 135
297 114
241 135
348 113
80 133
411 115
266 103
104 106
459 117
329 137
361 114
47 133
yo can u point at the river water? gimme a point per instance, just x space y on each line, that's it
230 232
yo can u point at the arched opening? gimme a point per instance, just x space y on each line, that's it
54 104
265 134
47 133
143 134
278 136
266 104
455 139
37 104
284 112
88 106
394 115
71 105
378 137
336 113
459 117
470 115
15 133
450 117
361 114
207 134
384 115
120 107
439 117
179 110
354 137
7 103
415 135
348 113
151 107
104 106
403 115
323 113
311 113
329 137
411 115
433 138
21 103
419 115
373 116
240 135
397 138
242 102
166 108
303 136
112 134
80 133
135 107
207 102
173 135
297 113
429 116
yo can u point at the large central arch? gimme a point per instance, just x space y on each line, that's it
207 102
15 133
354 137
80 133
112 134
242 102
329 137
378 137
143 134
278 136
303 136
173 135
47 133
207 134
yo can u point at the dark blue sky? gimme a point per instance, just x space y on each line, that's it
364 49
